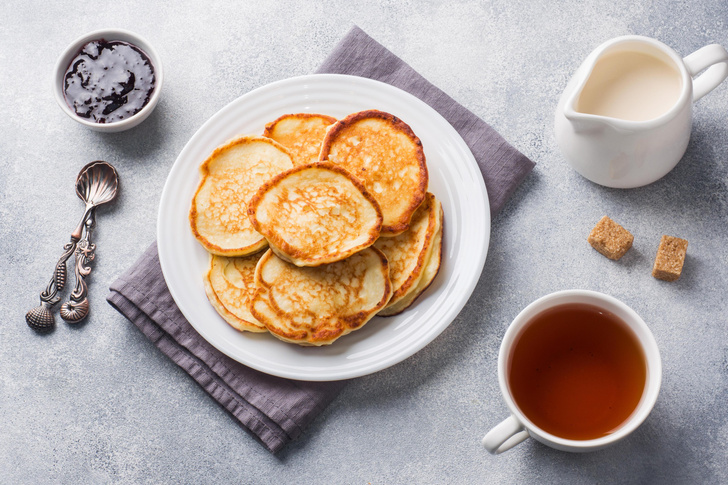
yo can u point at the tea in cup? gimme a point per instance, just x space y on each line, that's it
579 370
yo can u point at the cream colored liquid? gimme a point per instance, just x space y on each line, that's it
630 86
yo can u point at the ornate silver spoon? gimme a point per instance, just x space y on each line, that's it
97 183
76 308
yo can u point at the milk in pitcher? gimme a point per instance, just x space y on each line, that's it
630 85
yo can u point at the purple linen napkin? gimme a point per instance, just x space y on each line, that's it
274 410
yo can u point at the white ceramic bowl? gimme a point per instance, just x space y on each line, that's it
108 34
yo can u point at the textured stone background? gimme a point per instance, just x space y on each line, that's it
99 404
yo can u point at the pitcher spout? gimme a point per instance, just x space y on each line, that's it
584 123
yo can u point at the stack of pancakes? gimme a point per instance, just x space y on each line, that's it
342 207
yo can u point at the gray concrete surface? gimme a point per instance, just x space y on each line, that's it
99 404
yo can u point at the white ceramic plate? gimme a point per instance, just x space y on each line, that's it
454 179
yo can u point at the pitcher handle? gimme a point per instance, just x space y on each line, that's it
713 57
505 436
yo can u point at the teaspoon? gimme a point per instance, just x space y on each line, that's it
97 183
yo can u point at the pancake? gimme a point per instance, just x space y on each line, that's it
229 178
301 133
409 252
432 267
316 306
384 153
230 285
315 214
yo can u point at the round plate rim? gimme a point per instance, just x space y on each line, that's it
306 82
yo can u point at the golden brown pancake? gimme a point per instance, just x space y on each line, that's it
315 214
229 178
301 133
408 253
230 285
432 267
385 154
317 305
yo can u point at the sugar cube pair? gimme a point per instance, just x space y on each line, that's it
613 241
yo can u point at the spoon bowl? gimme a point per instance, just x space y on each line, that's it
97 183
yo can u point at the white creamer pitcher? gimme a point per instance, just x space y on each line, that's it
624 119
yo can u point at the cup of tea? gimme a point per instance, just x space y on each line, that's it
579 370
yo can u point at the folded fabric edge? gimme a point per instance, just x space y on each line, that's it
500 164
265 431
291 420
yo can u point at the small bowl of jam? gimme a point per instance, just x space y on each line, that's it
108 80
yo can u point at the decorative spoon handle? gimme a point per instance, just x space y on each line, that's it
58 280
77 307
40 318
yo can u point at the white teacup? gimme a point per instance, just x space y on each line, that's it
516 428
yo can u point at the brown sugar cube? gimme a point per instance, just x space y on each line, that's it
670 258
610 239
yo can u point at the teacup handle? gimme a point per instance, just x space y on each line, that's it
712 57
505 436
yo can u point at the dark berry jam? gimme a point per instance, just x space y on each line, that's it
108 81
